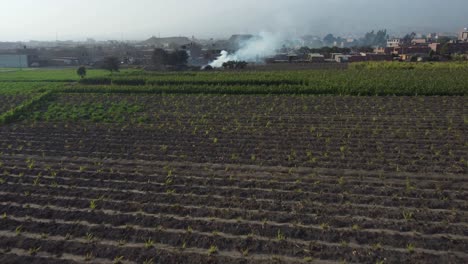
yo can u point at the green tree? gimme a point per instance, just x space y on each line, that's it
329 39
366 49
81 71
160 57
373 39
208 68
241 64
111 64
381 38
228 65
178 58
235 65
369 39
406 40
445 50
443 40
304 51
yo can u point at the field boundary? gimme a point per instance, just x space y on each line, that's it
247 90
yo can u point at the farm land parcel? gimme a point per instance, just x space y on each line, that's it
364 165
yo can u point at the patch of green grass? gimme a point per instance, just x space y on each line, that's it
23 109
319 82
113 112
46 74
9 88
360 79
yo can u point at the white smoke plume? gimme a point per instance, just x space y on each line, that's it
264 45
224 57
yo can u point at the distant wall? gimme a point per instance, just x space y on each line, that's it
13 61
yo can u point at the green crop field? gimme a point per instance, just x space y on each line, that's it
51 75
363 165
359 79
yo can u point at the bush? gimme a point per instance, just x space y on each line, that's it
129 81
235 65
81 71
96 81
24 108
111 64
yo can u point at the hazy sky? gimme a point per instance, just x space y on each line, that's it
140 19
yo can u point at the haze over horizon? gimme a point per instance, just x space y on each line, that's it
140 19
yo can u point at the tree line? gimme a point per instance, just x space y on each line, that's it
370 39
162 57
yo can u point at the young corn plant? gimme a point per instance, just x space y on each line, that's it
34 250
18 230
212 250
118 260
377 246
89 237
88 257
407 215
324 226
122 242
36 180
280 236
92 204
410 248
148 261
341 181
409 186
30 163
149 243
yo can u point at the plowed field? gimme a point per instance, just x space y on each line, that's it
235 179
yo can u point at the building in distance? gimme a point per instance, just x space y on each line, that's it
463 35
